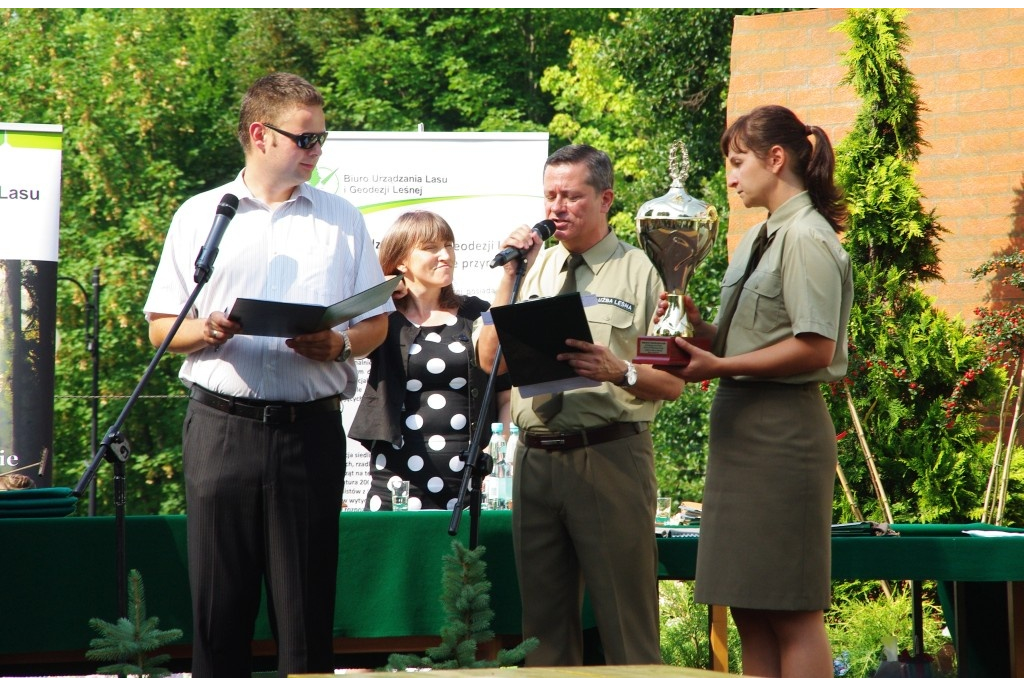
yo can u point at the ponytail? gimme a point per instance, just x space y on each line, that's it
772 125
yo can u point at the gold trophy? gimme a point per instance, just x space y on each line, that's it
677 232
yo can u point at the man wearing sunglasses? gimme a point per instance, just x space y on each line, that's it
263 444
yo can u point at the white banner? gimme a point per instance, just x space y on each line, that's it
483 184
29 191
30 174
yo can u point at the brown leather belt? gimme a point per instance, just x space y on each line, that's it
263 410
593 436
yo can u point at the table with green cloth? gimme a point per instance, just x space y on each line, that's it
979 582
58 573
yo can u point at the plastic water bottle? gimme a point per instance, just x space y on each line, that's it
499 476
510 461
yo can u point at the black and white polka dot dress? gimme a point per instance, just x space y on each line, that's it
435 419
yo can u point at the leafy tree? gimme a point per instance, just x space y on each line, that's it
684 629
148 100
905 356
142 96
449 69
1002 330
625 92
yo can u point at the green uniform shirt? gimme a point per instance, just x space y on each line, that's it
803 284
627 288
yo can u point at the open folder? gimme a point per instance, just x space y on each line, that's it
533 333
286 319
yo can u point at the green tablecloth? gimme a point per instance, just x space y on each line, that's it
59 572
919 552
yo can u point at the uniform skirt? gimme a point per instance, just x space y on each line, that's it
765 534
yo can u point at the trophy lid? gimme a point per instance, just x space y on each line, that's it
676 204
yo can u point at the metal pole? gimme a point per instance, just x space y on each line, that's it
92 346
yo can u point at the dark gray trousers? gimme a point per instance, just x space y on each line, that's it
263 504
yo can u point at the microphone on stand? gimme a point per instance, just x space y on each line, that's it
544 230
225 213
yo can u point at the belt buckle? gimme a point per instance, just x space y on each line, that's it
551 442
276 413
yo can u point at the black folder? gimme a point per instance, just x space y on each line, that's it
532 333
286 319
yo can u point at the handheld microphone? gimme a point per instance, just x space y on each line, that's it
544 230
225 213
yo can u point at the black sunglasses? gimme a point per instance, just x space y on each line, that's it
304 140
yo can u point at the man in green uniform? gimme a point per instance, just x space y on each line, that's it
584 486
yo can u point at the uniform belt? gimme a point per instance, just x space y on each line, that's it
263 410
591 436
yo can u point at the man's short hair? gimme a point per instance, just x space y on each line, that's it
600 174
270 97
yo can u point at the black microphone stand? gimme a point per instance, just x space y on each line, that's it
115 449
476 467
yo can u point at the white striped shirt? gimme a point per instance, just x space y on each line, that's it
312 249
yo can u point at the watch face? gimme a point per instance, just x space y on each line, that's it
346 348
630 379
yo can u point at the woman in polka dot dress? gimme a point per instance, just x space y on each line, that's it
422 397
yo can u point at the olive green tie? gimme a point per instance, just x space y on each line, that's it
724 321
548 405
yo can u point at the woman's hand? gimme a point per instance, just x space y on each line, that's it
693 313
703 365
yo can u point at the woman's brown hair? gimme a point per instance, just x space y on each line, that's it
771 125
410 231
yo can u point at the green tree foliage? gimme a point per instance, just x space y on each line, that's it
684 629
449 69
858 625
1002 330
130 640
148 100
653 77
142 96
905 356
466 597
889 227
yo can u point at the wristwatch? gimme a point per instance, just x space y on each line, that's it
629 378
346 348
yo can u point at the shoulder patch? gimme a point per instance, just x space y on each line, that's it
616 302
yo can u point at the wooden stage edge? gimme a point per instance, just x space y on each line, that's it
651 671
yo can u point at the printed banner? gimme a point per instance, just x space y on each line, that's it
30 177
483 184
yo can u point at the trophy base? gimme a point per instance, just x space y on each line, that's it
659 350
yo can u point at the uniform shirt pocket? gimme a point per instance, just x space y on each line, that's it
730 281
605 319
761 307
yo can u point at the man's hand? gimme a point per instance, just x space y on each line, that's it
594 361
701 328
219 329
323 346
523 238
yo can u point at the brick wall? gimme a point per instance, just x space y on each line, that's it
969 66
